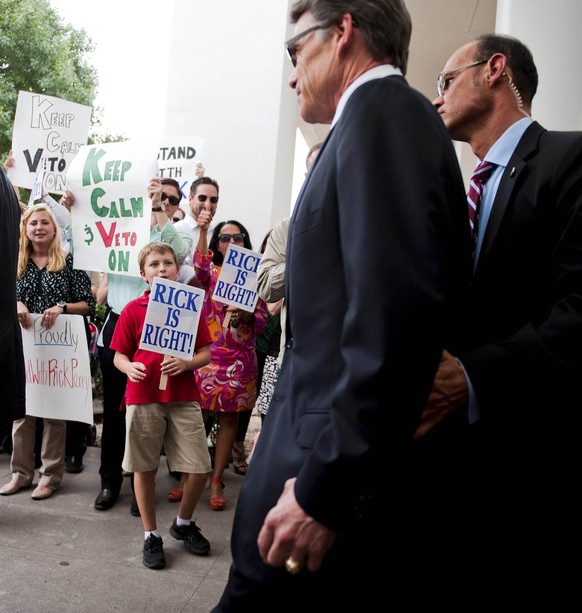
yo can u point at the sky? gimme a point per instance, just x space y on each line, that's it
131 62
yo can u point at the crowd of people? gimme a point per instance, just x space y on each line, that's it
410 341
47 283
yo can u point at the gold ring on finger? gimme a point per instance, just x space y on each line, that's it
293 566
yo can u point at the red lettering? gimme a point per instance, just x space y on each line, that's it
105 236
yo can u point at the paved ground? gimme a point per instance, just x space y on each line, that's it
61 555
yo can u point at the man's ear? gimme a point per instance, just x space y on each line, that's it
345 29
496 66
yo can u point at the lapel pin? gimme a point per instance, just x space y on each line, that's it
512 171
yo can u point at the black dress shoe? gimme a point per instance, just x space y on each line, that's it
105 500
73 464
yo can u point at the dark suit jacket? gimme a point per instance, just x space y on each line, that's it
12 397
378 258
514 472
524 355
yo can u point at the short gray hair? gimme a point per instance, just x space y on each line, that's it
385 25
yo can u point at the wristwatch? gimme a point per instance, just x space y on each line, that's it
63 305
156 209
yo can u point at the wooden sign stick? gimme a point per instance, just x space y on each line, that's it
164 378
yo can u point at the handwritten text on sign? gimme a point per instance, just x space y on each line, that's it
49 129
177 159
237 282
111 216
58 374
172 319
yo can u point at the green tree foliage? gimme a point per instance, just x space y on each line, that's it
97 136
40 53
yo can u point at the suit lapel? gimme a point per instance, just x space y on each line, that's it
527 146
294 215
307 178
502 198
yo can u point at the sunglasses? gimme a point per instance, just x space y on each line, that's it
237 238
203 197
171 199
175 219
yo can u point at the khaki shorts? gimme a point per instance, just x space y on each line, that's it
176 426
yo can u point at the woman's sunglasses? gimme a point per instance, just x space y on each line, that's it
237 238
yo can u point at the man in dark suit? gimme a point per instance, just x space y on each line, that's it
12 399
518 374
378 259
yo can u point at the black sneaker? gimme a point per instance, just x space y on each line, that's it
192 537
153 552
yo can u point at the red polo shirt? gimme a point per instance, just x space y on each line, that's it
126 337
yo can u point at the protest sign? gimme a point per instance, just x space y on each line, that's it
58 374
111 216
49 128
37 192
237 282
172 320
177 159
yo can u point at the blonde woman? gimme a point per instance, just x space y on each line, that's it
46 284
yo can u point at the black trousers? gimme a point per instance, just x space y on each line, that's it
76 441
307 592
113 433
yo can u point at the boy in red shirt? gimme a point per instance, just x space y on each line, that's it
170 418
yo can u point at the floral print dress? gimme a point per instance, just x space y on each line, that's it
229 382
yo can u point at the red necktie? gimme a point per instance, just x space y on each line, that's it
478 178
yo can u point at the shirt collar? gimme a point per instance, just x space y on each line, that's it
505 145
192 223
378 72
144 298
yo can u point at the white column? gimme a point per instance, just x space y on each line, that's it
228 84
551 30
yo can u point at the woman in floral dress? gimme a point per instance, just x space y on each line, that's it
228 385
